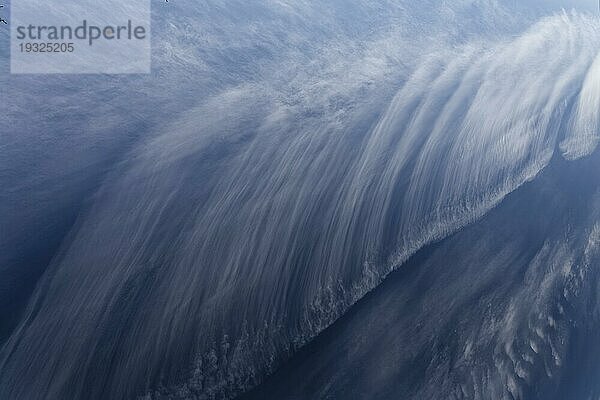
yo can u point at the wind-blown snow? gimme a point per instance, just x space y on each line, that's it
245 224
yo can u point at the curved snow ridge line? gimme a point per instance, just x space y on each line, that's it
528 96
251 240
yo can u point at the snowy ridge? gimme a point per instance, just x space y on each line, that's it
518 140
257 218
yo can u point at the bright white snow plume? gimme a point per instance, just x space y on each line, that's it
250 222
